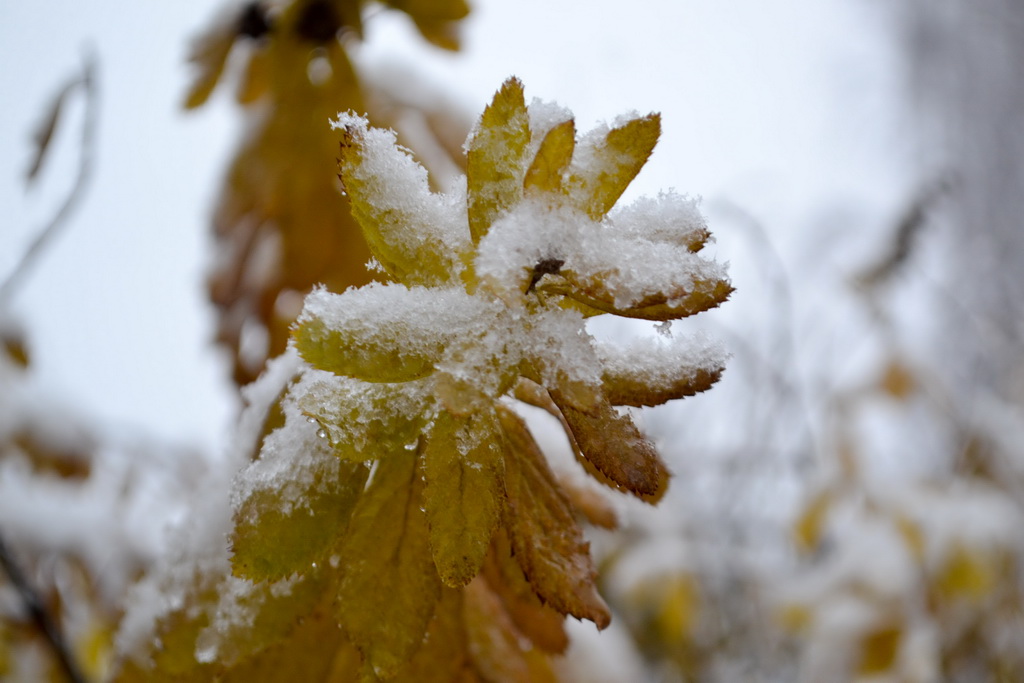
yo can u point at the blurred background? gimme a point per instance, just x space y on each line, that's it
847 501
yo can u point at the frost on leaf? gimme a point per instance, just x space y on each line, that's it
463 550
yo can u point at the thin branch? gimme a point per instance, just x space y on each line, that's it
87 82
37 610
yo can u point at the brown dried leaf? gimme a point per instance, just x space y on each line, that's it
539 622
675 302
623 389
494 643
546 540
616 448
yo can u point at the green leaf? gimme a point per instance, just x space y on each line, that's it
390 587
495 158
463 468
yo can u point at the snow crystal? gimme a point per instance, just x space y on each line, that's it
558 340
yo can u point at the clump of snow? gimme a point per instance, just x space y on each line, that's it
628 263
410 218
670 218
532 232
660 360
416 322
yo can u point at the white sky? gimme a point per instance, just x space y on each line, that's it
788 108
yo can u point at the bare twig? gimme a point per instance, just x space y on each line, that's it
87 82
37 610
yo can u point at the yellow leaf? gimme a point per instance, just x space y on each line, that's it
443 34
495 158
612 163
878 650
970 574
256 78
209 53
615 447
447 10
898 380
306 654
807 531
172 648
547 171
495 646
546 540
275 609
464 489
390 587
275 537
670 604
443 655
